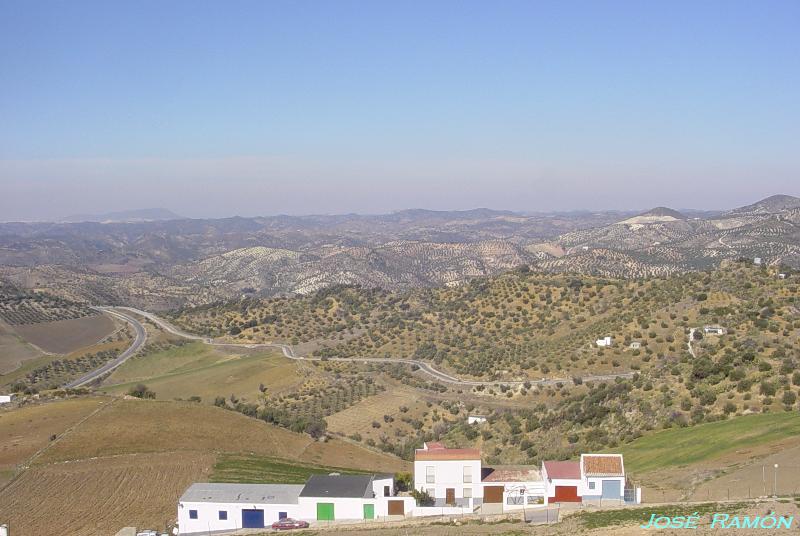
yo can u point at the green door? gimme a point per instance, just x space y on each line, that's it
325 512
369 511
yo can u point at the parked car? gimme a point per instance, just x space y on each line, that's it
289 524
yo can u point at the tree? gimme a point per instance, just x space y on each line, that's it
422 497
316 428
141 391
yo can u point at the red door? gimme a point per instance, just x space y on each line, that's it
565 494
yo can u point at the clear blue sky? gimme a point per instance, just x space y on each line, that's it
231 107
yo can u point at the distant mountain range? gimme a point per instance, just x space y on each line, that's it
126 216
155 259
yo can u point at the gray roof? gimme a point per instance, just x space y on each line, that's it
342 486
243 493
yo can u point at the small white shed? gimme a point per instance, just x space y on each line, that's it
7 399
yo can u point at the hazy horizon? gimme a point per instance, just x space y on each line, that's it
252 108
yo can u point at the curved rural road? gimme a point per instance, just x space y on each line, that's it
424 367
138 341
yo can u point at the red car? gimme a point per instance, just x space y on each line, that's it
289 524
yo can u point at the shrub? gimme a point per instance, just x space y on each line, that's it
141 391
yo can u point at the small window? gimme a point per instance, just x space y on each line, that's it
430 474
223 515
192 514
467 474
282 515
515 500
386 491
592 485
467 493
535 499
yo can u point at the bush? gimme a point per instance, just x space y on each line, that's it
141 391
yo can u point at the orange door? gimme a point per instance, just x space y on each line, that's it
566 494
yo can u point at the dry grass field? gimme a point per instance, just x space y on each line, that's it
140 426
199 370
14 351
65 336
98 497
25 430
128 463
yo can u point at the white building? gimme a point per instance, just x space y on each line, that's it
207 507
519 486
605 341
7 399
595 478
213 507
476 419
452 477
757 260
635 345
714 330
456 479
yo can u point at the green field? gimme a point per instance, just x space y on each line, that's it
684 446
252 469
200 370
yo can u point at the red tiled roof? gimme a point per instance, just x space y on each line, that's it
435 445
602 465
565 470
446 454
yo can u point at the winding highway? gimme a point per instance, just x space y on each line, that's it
290 354
138 342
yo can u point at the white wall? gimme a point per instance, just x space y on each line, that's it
208 515
448 474
422 511
530 489
598 486
379 483
5 399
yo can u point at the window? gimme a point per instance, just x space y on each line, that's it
282 515
192 514
386 491
592 485
223 515
467 493
467 474
430 474
535 499
517 500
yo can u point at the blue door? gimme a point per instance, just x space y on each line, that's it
611 489
252 519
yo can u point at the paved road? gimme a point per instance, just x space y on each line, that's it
424 367
138 342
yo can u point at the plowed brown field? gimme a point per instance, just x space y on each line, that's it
100 496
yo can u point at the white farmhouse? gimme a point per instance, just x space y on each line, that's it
476 419
214 507
595 478
452 477
7 399
206 507
605 341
